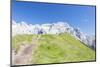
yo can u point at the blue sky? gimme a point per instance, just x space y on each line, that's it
82 17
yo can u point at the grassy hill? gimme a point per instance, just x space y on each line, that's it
55 48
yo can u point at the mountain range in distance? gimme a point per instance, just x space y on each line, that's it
53 28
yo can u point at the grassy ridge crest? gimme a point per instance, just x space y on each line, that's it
55 48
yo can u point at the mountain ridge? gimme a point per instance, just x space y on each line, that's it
52 28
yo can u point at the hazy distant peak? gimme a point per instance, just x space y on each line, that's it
14 22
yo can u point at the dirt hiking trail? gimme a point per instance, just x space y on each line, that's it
24 55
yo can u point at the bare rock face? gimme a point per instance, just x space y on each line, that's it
91 41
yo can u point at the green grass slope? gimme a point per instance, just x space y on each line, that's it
56 48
